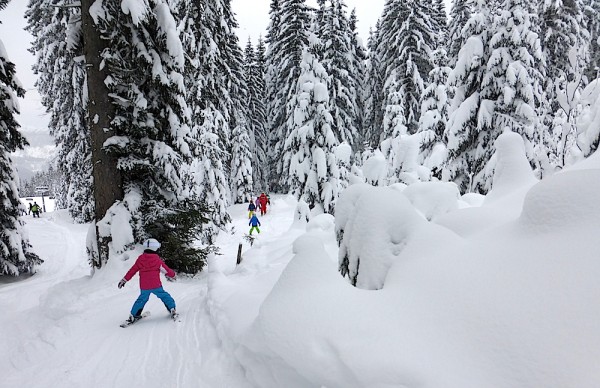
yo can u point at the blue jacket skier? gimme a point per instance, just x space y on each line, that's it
255 223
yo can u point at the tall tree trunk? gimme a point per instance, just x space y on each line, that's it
108 186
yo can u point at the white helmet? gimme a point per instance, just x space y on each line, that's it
151 244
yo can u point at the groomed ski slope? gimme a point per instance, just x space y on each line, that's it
60 328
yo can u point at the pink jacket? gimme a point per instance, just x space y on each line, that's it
149 265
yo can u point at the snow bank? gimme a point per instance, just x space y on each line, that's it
502 295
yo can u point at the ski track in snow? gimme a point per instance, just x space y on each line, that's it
68 321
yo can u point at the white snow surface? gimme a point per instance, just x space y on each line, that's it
493 293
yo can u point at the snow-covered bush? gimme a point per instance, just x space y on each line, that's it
374 234
375 169
301 214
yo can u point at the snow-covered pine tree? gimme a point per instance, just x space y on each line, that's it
407 41
235 91
154 144
237 104
434 114
373 91
460 12
467 141
287 37
254 68
310 148
359 74
242 185
440 20
16 256
564 47
336 39
56 27
205 89
512 84
592 24
394 128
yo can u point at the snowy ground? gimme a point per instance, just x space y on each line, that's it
62 329
453 291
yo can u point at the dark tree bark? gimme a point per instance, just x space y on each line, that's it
108 186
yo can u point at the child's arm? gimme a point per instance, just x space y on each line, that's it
132 271
169 272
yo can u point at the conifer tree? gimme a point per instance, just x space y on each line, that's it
309 149
153 143
434 112
61 78
241 168
373 92
204 80
563 46
467 140
460 13
237 104
255 78
440 23
407 40
337 49
287 37
16 256
358 61
512 83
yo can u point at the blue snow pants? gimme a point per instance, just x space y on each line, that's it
163 295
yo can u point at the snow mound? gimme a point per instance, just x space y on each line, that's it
568 199
433 198
512 172
323 222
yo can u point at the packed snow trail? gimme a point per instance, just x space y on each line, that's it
61 326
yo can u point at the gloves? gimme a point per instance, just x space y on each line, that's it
122 283
171 279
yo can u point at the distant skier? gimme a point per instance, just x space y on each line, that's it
251 208
255 223
35 209
257 203
149 265
263 204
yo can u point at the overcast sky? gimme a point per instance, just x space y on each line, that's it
253 16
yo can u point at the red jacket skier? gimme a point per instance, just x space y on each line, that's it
149 265
263 203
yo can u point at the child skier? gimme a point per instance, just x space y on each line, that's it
149 265
255 223
251 208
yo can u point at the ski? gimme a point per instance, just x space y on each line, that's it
128 323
